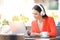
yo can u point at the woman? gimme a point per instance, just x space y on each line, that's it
43 23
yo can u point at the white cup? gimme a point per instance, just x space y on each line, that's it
44 34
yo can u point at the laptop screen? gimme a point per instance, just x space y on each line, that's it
18 28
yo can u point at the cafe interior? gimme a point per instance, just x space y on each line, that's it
16 18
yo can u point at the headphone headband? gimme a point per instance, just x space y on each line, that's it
40 6
42 12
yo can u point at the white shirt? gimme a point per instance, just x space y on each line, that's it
40 24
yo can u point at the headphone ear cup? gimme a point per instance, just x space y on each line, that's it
42 13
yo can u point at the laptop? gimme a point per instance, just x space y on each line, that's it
18 28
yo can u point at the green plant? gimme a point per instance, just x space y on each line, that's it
5 22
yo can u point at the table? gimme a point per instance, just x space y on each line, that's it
37 38
21 37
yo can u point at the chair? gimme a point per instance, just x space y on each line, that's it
58 29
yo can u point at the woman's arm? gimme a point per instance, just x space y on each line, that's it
53 28
32 29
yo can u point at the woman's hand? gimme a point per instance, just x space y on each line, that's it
28 32
32 34
35 34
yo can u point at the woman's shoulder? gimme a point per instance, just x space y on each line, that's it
34 21
50 18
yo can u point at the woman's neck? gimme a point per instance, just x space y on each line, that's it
41 19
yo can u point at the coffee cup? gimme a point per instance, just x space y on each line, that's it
44 34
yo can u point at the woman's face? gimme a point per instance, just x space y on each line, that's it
36 14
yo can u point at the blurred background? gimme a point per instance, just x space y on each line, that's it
21 10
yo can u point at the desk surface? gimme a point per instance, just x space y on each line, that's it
21 37
37 38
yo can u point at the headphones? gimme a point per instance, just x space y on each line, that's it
42 8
